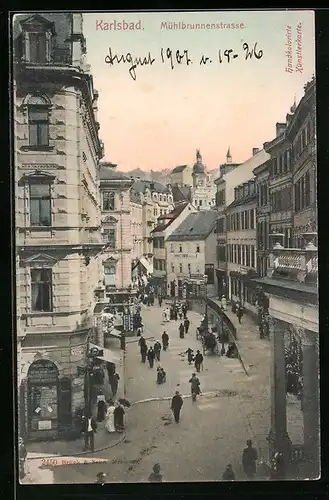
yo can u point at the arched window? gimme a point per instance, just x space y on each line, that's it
38 119
180 268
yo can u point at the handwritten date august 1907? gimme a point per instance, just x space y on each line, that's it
182 57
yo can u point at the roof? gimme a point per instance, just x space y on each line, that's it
140 186
178 169
182 193
243 200
110 174
196 226
198 168
171 216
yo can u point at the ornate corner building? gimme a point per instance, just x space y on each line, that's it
58 237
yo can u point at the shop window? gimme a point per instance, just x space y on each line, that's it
41 290
42 396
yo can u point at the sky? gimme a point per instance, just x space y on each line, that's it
158 120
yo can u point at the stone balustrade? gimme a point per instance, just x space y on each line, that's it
294 263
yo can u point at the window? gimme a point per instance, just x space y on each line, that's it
38 47
172 268
200 203
38 126
252 218
110 269
160 211
108 200
40 205
180 268
180 248
248 255
197 249
109 237
41 290
252 250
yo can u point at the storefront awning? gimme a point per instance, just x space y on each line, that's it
108 355
148 266
114 333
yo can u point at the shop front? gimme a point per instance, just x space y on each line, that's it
45 402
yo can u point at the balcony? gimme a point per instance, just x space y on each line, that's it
294 264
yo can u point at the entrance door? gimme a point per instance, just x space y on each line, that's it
172 289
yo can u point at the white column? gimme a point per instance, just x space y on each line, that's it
311 404
278 438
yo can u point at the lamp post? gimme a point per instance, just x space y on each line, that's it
205 278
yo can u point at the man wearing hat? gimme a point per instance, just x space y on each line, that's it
176 406
155 476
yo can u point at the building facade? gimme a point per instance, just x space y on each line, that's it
231 175
191 254
136 225
116 230
263 216
291 287
57 217
181 176
241 246
156 200
166 225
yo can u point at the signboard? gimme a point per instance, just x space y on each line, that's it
44 425
43 371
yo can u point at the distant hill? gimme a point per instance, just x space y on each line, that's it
162 176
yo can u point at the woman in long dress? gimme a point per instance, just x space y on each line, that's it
119 418
109 419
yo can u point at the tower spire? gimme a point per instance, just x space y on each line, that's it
228 156
198 156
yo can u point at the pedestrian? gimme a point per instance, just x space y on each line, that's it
143 352
181 331
101 407
110 368
249 458
160 300
141 341
22 454
165 340
189 355
184 309
114 382
229 474
155 476
89 429
239 313
223 303
109 420
151 356
186 324
180 312
195 385
157 350
198 361
176 406
175 313
119 414
101 478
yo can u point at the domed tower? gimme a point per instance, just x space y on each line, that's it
199 171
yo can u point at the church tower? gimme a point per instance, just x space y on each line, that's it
199 171
228 156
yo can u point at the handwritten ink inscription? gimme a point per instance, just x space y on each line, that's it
178 57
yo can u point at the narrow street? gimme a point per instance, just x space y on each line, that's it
212 432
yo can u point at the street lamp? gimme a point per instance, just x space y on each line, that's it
205 277
88 371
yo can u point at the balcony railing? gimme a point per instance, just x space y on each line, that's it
294 263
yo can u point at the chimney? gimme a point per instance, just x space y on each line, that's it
280 128
236 190
255 151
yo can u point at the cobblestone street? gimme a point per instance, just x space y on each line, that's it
212 432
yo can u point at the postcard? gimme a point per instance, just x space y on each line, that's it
166 246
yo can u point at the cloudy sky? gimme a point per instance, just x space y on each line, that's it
158 120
